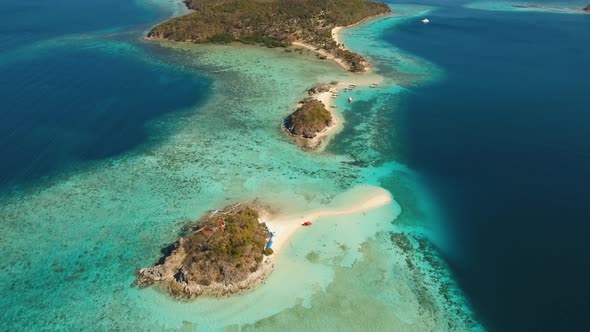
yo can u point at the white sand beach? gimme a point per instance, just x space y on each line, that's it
321 140
362 199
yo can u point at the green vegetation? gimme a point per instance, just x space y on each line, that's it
224 254
309 119
220 251
272 23
268 251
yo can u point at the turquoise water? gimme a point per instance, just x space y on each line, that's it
125 141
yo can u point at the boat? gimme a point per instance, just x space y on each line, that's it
425 21
349 99
307 223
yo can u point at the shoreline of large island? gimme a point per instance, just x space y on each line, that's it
335 35
273 23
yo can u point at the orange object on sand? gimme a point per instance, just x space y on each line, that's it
307 223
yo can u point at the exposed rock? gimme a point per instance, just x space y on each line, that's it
587 9
222 254
272 23
319 88
309 119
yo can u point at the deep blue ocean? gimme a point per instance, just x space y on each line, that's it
503 142
24 22
502 139
72 90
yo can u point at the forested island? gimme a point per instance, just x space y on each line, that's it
308 120
273 23
222 253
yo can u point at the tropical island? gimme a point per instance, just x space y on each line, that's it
272 23
308 121
587 9
220 254
229 251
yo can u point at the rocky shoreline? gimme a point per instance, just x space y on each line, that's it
312 119
223 253
304 23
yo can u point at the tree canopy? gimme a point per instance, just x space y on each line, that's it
274 23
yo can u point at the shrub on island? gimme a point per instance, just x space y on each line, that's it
309 119
272 23
219 253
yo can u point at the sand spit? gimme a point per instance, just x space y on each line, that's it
328 98
364 199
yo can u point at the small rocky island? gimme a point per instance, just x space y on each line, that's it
307 122
272 23
587 9
220 254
